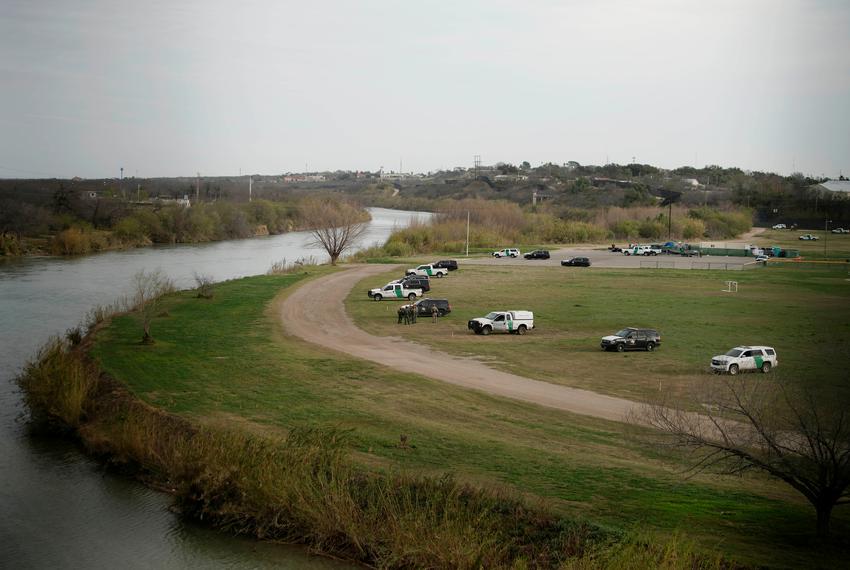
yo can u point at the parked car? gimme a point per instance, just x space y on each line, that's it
394 291
537 254
631 338
507 252
642 250
576 262
779 226
615 249
690 252
808 237
518 322
423 307
760 258
415 282
745 358
841 231
449 264
427 271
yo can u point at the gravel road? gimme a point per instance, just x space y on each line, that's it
315 313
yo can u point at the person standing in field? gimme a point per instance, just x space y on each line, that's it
434 313
400 314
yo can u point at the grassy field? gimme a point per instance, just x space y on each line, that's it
828 246
225 362
804 313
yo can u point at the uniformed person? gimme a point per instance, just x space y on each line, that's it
434 313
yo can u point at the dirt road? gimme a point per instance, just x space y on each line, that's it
315 313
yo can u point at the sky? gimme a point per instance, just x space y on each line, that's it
175 88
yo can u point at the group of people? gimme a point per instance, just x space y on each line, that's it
407 314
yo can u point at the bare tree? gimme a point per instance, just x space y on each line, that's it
333 225
148 290
764 424
205 285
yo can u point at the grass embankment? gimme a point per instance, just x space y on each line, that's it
804 313
222 364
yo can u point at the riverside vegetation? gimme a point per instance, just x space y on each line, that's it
497 223
263 434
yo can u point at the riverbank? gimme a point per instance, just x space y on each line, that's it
301 484
97 517
226 363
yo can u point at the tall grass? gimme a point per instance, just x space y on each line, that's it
57 385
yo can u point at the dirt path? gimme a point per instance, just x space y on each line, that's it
315 313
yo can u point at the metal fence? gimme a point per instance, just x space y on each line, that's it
687 264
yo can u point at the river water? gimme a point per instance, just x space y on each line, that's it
59 508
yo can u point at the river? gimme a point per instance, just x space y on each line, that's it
59 508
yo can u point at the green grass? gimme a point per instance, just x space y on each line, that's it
805 314
225 362
837 245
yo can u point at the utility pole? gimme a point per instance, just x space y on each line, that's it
467 233
477 160
825 235
121 184
250 184
198 188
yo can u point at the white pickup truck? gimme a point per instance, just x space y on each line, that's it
642 250
518 322
394 291
428 271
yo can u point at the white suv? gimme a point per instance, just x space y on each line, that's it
744 358
509 252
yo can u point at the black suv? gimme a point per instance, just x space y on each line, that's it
416 282
537 254
449 264
423 307
631 338
576 262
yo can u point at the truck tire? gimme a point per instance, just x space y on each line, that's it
377 297
486 330
439 276
765 367
522 329
650 346
621 347
411 297
733 369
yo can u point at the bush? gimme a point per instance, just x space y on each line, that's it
73 241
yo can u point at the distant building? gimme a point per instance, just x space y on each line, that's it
842 186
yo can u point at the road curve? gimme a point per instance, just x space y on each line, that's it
315 313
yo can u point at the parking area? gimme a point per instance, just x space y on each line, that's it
604 258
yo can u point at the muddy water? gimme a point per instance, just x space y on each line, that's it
58 508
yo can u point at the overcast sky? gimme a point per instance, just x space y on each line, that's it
173 88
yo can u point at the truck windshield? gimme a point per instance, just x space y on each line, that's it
735 353
491 316
623 333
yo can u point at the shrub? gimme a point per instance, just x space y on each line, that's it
73 241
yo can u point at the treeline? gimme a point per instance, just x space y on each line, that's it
26 228
494 223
